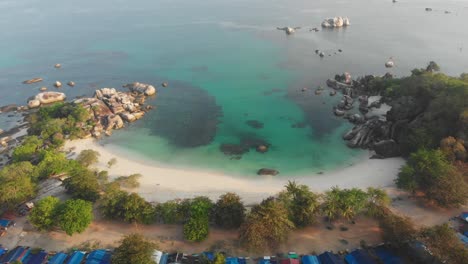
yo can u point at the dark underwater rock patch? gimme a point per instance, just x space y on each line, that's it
246 144
187 116
254 124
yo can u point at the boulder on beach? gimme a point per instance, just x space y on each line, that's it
58 84
266 171
71 84
142 88
164 84
43 89
58 65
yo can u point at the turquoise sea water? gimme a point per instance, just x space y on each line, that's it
226 65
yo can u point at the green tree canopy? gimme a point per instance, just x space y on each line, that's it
17 183
134 248
397 230
28 149
74 216
88 157
266 226
377 199
82 183
345 203
129 181
229 211
196 229
53 163
302 204
127 207
43 215
444 244
170 212
429 171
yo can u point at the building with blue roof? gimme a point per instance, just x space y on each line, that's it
17 254
58 258
330 258
310 259
463 238
100 256
37 258
3 251
231 260
386 256
209 255
242 260
359 256
76 257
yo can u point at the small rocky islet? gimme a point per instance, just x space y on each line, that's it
108 109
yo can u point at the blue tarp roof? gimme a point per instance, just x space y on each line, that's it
463 239
209 255
386 256
100 256
59 258
264 261
4 222
242 260
232 260
464 216
2 251
19 253
76 257
36 258
359 257
164 258
310 259
330 258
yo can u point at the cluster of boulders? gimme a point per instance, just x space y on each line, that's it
141 88
109 108
46 98
371 132
336 22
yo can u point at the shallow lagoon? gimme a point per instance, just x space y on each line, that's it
226 65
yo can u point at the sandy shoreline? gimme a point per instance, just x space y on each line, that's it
160 184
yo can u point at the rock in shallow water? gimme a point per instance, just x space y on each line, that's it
142 88
254 124
266 171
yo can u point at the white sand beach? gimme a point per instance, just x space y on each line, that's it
160 184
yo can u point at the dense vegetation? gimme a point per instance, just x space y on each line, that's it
72 216
229 211
430 125
431 172
59 121
267 225
134 248
445 244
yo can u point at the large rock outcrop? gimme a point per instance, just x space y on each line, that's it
109 108
46 98
141 88
336 22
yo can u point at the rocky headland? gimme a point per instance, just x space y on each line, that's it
393 116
